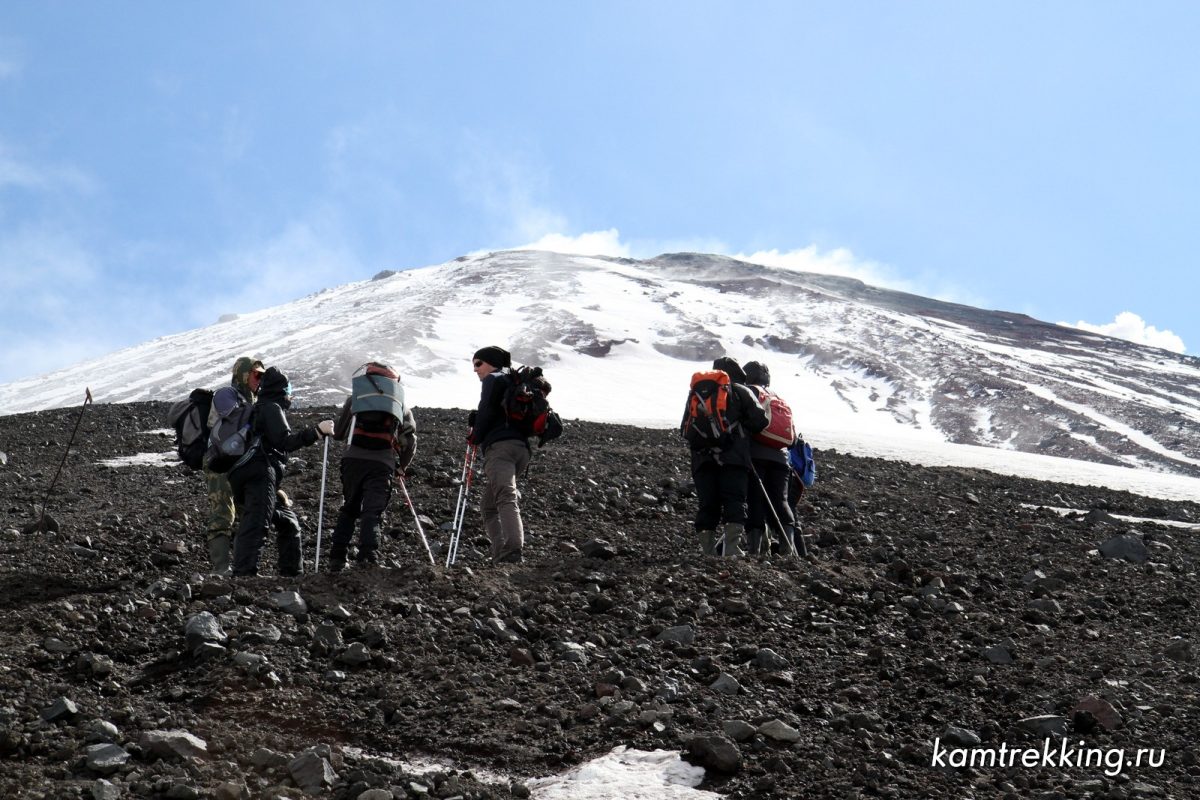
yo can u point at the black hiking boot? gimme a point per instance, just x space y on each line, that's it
337 559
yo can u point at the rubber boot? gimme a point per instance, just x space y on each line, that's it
786 547
755 542
733 539
708 541
218 555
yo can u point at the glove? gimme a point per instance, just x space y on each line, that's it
471 418
325 427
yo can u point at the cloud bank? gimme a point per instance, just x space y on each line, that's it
840 261
1132 328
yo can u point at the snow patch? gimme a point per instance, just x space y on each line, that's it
168 459
626 773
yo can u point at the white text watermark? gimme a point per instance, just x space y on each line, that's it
1059 755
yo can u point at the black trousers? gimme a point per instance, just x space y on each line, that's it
366 492
259 509
720 494
774 477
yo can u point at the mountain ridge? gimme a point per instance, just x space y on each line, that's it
849 355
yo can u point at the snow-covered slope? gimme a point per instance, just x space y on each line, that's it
620 338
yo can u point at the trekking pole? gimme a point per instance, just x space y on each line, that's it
456 536
416 519
778 522
796 533
87 399
462 480
321 507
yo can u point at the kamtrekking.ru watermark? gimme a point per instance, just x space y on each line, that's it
1061 755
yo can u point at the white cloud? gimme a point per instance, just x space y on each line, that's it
305 257
834 262
25 355
21 173
594 243
1131 327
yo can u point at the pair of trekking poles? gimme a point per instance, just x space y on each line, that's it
460 505
321 511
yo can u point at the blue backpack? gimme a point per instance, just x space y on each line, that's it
800 457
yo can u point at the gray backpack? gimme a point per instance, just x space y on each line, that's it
230 432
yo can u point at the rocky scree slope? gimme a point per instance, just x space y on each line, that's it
938 603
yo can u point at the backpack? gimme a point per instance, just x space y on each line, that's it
526 407
230 430
189 418
706 418
377 403
800 458
780 432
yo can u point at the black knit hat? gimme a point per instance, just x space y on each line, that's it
498 357
757 373
731 368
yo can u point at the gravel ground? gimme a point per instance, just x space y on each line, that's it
938 604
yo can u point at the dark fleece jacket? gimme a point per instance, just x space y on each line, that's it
275 437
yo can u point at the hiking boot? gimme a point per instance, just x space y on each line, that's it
218 555
733 539
512 558
337 558
756 544
708 542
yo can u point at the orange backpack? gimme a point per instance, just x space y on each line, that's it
706 422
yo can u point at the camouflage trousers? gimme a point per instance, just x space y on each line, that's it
220 505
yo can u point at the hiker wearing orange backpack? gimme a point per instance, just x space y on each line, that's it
720 417
768 501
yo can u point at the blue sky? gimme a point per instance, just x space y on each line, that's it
164 163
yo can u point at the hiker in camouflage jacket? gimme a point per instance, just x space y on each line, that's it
243 387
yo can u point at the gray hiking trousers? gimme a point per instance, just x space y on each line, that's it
502 463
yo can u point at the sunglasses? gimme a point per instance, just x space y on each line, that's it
477 363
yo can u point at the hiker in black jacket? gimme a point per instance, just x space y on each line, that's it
772 470
722 477
505 452
256 477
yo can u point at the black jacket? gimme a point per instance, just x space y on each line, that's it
275 438
491 423
748 417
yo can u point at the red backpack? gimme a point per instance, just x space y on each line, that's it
780 432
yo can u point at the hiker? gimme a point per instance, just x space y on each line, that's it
255 479
721 465
506 454
242 388
381 437
768 453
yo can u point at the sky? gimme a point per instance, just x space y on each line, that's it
163 164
